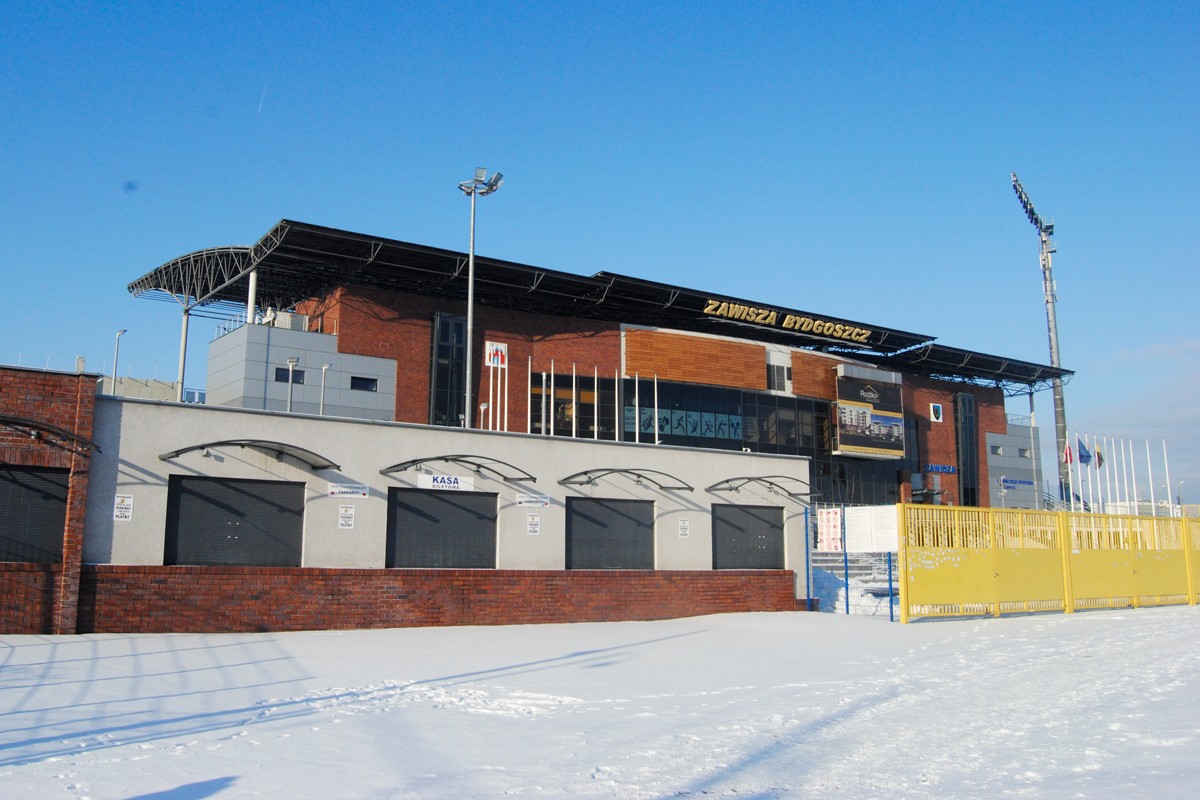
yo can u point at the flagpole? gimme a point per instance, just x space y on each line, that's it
1125 473
1137 501
1099 457
1070 476
1167 467
1108 475
1091 458
1150 476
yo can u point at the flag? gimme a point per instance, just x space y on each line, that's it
1099 458
1067 455
1085 456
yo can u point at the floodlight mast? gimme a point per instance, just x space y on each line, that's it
1045 231
479 186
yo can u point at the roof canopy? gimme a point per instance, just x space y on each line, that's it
296 261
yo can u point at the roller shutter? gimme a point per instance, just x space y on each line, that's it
33 514
747 537
441 529
610 534
220 521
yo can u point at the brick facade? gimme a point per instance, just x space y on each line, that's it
373 322
129 599
64 403
936 440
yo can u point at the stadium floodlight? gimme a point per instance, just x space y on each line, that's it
112 389
1045 231
479 186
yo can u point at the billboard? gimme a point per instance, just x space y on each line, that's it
869 419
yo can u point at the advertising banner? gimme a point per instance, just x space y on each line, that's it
870 419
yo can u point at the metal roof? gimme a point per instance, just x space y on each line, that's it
297 261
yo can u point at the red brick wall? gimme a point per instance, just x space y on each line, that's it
373 322
141 599
27 594
937 440
65 401
695 359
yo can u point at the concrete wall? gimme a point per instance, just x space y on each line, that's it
242 364
132 434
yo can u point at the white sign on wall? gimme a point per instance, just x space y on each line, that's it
346 518
348 490
829 530
685 528
449 483
533 524
538 500
123 508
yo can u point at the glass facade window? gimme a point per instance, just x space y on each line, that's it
447 371
360 384
966 435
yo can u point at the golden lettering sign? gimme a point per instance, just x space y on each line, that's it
770 318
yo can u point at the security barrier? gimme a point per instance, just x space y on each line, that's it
957 561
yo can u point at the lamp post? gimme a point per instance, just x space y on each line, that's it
291 362
481 185
116 352
324 369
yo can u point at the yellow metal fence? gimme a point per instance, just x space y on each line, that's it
957 561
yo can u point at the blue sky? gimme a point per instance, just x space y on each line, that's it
847 159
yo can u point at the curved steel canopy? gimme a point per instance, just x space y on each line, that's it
590 476
476 463
779 483
36 428
315 461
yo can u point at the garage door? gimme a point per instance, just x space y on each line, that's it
220 521
441 529
610 534
747 537
33 513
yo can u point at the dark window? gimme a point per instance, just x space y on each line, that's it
281 375
447 371
217 521
747 537
610 534
778 376
441 529
364 384
33 513
966 437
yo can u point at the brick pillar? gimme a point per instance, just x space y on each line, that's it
66 595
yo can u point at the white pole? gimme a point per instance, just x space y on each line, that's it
595 402
1167 467
1099 456
1071 473
543 428
617 410
252 297
1091 503
469 414
1079 473
182 356
1125 473
1150 477
1137 502
656 431
637 409
112 389
1108 487
324 369
574 401
504 375
553 398
529 395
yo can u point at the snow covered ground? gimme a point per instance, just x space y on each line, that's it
796 705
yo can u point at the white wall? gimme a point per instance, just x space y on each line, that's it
133 433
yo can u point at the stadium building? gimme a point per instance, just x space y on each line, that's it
370 451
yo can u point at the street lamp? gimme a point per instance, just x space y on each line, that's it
481 185
324 369
116 352
291 362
